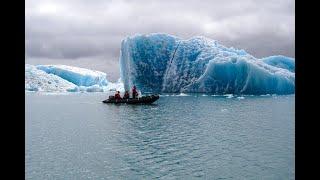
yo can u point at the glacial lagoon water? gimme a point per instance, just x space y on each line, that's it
76 136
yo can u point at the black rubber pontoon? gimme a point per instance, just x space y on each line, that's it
142 100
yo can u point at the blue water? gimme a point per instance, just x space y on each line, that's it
75 136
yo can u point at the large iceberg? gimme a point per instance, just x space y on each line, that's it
62 78
165 63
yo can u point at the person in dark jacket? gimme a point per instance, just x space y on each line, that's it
126 95
134 92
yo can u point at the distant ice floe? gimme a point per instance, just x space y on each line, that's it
182 94
38 80
229 95
62 78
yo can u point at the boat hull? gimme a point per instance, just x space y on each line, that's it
141 100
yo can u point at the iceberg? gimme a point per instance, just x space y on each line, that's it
165 63
281 62
62 78
38 80
76 75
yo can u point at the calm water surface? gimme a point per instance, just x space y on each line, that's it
75 136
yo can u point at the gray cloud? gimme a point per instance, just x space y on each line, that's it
89 33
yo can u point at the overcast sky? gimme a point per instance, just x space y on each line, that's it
88 33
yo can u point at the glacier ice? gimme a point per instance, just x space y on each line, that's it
165 63
38 80
62 78
76 75
281 62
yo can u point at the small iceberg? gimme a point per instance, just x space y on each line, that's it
62 78
229 95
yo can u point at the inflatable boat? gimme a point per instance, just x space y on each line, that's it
141 100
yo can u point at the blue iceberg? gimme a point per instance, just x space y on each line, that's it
38 80
76 75
62 78
165 63
281 62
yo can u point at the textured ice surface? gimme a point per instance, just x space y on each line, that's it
38 80
165 63
62 78
78 76
281 62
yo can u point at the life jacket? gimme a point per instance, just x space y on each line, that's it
117 96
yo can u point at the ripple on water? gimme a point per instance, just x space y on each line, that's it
73 137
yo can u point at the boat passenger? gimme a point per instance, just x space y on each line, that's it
134 92
126 95
117 95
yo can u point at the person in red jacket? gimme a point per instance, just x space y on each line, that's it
134 92
117 95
